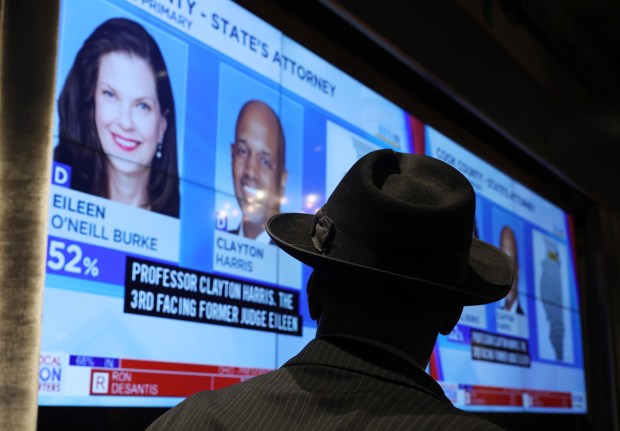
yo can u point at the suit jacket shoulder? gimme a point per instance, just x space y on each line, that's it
325 387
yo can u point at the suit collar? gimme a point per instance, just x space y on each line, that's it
361 357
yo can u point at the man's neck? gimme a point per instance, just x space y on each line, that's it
252 230
417 344
381 345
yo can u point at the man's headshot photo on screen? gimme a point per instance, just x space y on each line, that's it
258 168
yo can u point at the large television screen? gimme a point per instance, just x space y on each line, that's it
180 128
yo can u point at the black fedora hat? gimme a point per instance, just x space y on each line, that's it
408 218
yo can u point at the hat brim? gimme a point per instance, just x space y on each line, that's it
489 277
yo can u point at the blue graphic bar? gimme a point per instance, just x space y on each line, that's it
93 361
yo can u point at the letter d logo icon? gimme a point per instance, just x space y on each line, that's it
221 221
61 175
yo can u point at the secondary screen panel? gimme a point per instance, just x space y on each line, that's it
525 351
180 128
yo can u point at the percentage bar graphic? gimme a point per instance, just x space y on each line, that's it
70 258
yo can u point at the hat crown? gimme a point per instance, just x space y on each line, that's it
403 217
414 210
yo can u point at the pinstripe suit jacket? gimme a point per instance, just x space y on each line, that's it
332 384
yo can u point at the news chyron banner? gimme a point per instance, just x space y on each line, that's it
523 353
161 280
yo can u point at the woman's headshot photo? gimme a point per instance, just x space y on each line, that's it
117 122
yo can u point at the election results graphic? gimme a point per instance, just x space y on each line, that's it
525 351
161 280
180 129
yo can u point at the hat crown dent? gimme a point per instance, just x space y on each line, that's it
398 203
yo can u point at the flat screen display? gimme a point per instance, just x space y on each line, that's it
180 128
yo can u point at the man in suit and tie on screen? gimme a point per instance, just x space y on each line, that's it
394 262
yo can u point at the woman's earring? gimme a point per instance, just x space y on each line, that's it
160 146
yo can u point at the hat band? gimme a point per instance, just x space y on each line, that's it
447 268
